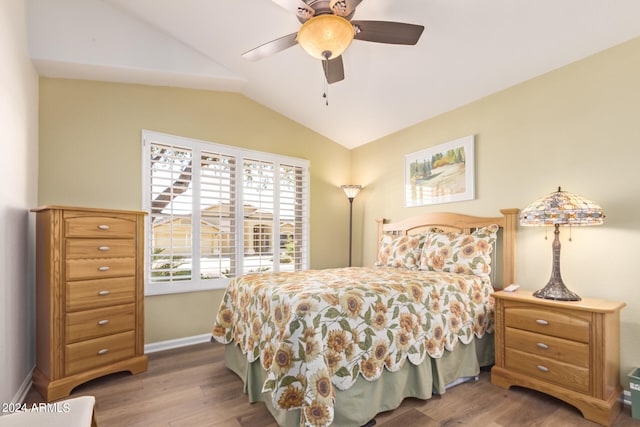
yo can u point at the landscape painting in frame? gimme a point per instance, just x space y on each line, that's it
440 174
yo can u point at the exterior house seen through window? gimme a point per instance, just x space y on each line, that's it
217 212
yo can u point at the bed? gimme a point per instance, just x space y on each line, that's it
337 346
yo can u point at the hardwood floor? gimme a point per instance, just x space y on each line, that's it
191 387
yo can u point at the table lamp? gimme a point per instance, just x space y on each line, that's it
560 208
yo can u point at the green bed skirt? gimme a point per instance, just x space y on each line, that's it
361 402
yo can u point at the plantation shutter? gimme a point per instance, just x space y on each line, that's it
171 201
217 211
258 207
217 216
292 214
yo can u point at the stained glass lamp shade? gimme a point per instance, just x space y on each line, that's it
560 208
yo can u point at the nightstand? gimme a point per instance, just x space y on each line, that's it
567 349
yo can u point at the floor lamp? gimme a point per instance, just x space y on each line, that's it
351 191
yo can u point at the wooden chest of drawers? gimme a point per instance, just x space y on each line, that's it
569 350
89 296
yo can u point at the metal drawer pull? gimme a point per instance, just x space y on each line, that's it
103 227
542 322
104 293
103 351
542 345
104 248
103 268
542 368
103 322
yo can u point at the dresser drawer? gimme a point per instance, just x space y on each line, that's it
563 350
97 268
99 226
86 355
547 322
563 374
83 325
88 294
100 248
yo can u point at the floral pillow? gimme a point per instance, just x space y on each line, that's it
460 253
400 251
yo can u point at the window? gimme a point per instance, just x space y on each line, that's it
216 212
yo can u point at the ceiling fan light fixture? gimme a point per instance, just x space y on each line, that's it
326 36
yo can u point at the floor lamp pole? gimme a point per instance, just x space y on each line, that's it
350 226
351 191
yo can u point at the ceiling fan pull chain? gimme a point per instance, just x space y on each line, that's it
325 95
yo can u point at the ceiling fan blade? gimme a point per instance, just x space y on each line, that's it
271 47
301 9
333 69
387 32
344 8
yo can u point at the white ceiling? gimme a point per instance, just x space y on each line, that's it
469 49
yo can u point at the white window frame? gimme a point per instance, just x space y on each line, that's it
240 154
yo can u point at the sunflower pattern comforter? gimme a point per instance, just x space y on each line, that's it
316 330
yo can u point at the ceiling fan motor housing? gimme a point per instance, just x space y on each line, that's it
324 7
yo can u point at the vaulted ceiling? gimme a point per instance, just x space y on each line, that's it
469 49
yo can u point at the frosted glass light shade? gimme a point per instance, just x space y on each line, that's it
325 36
351 190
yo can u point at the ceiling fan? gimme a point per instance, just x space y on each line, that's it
327 30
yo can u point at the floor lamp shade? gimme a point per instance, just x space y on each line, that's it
351 190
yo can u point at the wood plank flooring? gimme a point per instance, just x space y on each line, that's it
191 387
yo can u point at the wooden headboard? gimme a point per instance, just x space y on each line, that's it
460 223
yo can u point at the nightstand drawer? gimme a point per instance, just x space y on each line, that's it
78 269
99 226
86 355
549 370
84 325
568 351
100 248
87 294
564 325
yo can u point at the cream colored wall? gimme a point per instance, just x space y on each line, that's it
90 155
19 176
578 127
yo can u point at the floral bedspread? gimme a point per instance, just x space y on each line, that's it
315 330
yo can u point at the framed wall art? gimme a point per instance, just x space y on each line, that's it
440 174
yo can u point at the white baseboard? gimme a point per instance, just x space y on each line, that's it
21 395
176 343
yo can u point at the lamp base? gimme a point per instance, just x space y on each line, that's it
555 288
556 291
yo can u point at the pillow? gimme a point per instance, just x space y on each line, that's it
400 251
460 253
